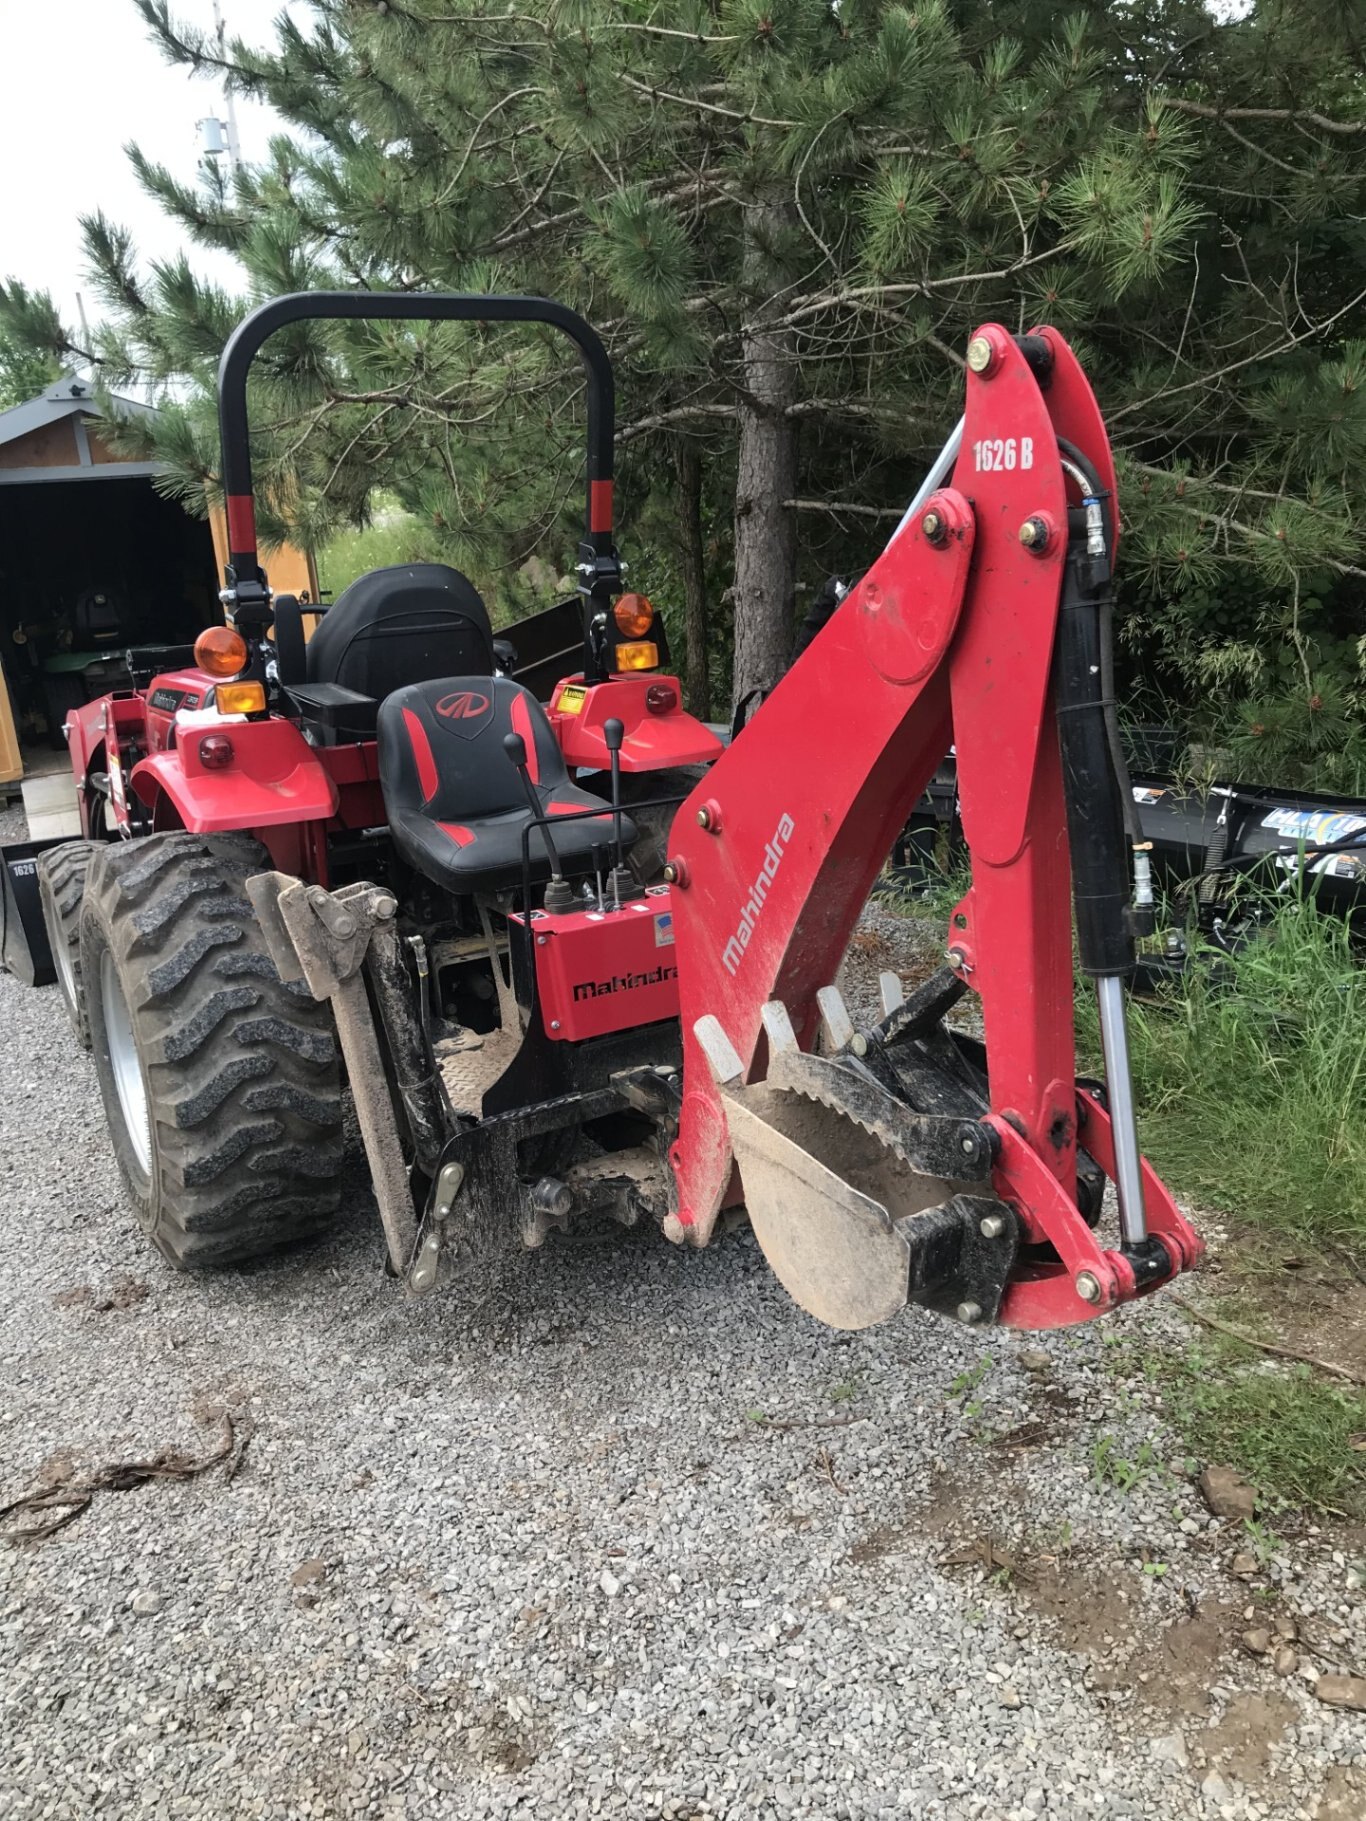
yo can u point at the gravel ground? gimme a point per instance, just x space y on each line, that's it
618 1532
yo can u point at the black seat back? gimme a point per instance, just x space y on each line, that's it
402 625
441 748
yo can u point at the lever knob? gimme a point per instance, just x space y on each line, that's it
515 748
613 732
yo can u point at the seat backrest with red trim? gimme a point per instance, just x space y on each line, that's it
441 747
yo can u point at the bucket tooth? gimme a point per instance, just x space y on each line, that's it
722 1057
778 1026
890 992
837 1027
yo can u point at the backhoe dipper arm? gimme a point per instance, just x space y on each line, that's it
948 639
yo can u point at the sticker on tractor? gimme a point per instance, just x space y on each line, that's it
1315 827
997 454
572 699
664 929
1147 793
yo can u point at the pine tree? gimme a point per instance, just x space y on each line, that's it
786 219
26 367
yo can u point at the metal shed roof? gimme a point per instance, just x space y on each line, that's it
69 398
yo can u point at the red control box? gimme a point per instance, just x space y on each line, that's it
600 971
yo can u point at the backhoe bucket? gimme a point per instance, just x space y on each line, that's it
861 1205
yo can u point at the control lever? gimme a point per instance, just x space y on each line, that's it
558 894
601 857
613 733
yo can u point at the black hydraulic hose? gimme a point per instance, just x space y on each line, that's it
1095 815
1098 797
1109 699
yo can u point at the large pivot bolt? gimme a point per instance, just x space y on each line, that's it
934 528
981 355
1034 534
1087 1286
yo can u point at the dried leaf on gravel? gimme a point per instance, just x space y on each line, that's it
991 1556
56 1502
124 1293
1031 1434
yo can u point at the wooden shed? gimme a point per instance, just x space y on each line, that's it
93 562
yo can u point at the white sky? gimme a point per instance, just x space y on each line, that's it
82 79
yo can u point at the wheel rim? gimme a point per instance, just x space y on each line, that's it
123 1061
66 973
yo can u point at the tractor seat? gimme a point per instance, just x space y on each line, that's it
456 806
390 627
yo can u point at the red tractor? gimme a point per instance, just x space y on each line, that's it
373 851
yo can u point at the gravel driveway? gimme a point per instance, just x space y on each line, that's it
616 1532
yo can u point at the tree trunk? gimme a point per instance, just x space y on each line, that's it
697 673
765 530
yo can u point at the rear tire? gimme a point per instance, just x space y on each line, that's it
61 887
220 1083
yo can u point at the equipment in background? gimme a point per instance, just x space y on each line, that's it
1206 842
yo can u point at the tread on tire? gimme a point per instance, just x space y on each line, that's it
61 889
242 1146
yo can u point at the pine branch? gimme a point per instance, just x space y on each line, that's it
681 414
1293 116
1212 378
704 107
843 509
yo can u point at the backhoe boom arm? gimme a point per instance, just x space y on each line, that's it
948 639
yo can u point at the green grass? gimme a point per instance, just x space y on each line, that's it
1251 1080
1291 1433
1252 1097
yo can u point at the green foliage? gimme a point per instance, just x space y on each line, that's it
1252 1081
868 182
1292 1434
32 344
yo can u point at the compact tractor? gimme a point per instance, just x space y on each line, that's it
375 853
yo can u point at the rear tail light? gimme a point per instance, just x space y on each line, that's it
215 752
660 698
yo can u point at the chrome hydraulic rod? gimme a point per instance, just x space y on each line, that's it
940 470
1114 1043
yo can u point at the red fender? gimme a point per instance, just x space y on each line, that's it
273 777
654 739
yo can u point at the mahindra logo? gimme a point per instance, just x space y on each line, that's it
734 951
467 705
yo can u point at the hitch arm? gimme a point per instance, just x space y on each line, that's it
320 938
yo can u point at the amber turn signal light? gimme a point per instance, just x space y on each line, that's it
634 616
220 651
641 656
240 698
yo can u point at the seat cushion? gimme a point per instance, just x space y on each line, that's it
457 809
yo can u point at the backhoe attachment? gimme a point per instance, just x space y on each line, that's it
909 1161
